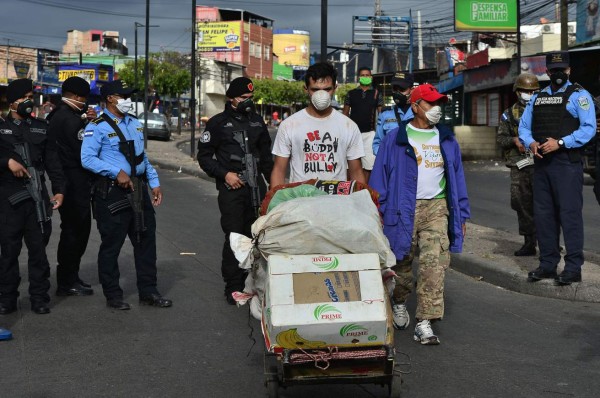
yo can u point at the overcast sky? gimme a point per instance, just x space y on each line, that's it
44 23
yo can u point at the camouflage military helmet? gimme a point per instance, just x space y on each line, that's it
526 81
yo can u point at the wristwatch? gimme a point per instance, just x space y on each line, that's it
561 143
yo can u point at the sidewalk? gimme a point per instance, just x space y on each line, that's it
487 253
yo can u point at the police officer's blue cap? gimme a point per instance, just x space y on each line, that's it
403 80
17 89
118 87
77 86
239 86
558 59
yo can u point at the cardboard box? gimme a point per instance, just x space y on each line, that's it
315 301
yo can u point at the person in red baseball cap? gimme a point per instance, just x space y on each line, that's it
419 176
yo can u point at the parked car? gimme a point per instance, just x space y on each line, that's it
158 126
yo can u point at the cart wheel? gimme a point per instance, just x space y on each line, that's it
396 386
273 388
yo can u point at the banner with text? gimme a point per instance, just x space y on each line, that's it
219 36
485 15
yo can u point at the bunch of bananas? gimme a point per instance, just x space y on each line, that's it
290 339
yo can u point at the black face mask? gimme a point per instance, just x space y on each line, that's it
559 78
399 99
25 108
246 106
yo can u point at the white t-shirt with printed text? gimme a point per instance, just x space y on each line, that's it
431 182
318 147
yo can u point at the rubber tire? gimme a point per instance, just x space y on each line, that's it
396 386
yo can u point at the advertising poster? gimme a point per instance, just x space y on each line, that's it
292 47
219 36
485 15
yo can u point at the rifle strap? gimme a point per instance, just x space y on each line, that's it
138 158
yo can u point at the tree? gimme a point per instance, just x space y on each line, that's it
168 75
280 93
342 91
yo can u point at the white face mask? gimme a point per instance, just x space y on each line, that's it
525 97
321 100
434 114
124 105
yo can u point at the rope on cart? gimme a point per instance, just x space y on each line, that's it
320 356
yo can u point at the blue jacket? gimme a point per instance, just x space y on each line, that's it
394 176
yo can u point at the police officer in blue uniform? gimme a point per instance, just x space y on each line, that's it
20 218
389 119
102 153
556 123
67 123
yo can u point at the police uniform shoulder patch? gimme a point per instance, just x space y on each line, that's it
80 134
97 120
583 102
205 137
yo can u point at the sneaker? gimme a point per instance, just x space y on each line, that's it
424 333
400 317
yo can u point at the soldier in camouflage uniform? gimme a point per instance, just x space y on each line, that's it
519 161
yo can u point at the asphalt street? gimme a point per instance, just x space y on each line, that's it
495 343
488 184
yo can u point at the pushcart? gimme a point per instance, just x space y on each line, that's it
334 365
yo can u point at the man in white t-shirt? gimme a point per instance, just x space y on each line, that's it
318 142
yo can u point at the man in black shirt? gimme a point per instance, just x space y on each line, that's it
362 106
67 123
220 154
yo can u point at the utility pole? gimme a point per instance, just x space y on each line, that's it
193 97
7 50
375 44
146 71
564 25
135 62
135 67
344 60
323 30
420 40
519 36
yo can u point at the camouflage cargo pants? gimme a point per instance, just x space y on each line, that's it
430 235
521 198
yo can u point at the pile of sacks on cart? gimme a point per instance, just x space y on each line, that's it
318 266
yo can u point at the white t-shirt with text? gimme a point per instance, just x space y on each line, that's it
318 147
426 144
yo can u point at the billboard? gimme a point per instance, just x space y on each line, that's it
588 21
485 15
95 74
219 36
292 47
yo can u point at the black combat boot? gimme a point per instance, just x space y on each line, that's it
528 248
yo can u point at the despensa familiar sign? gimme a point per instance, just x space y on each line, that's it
485 15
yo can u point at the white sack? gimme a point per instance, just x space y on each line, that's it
324 225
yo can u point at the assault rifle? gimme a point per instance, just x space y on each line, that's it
249 168
33 184
135 197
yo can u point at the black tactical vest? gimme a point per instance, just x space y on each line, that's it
550 117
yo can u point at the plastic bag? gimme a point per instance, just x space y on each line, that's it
301 191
